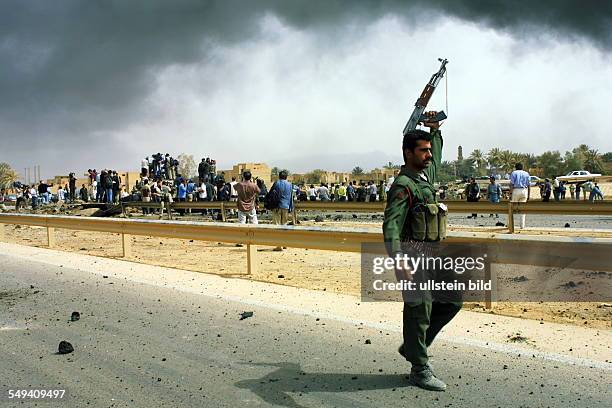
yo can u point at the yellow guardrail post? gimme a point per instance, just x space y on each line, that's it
126 245
510 218
50 237
251 259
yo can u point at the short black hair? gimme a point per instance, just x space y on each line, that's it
410 139
518 166
283 175
246 175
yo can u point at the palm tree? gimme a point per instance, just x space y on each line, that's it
478 158
593 161
507 160
493 158
357 171
7 176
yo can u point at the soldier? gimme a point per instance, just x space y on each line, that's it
411 193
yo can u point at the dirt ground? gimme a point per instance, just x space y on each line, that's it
313 269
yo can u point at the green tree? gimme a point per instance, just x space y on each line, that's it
573 161
357 171
593 161
446 172
507 160
493 157
551 163
7 176
314 177
479 160
275 171
465 168
607 157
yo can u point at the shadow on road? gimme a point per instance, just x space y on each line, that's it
274 388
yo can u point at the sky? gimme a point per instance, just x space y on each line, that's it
295 84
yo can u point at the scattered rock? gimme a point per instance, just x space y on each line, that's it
517 338
368 341
319 218
570 284
354 215
65 347
500 224
338 217
281 276
521 278
31 286
567 225
75 316
604 305
105 276
244 315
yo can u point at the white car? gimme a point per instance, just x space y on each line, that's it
534 180
578 175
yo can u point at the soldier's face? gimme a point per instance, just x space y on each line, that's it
420 159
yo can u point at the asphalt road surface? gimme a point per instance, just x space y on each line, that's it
138 345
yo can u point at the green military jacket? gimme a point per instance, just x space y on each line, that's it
400 197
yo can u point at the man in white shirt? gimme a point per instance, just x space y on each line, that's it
372 191
144 167
323 193
34 195
519 187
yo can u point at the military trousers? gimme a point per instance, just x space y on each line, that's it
422 321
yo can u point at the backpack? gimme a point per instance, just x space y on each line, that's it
272 199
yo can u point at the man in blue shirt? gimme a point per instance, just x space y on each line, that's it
494 193
182 195
285 205
519 187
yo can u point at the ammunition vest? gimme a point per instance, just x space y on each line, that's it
424 221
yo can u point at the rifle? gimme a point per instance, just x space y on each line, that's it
421 103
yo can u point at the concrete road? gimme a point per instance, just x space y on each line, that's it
138 345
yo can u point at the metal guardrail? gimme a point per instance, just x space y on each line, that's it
569 207
586 253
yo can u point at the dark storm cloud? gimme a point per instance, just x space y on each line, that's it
71 67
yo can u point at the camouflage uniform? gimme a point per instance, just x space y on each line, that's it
423 318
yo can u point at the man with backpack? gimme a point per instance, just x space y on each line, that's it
472 192
280 200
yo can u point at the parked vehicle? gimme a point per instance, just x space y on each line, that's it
578 175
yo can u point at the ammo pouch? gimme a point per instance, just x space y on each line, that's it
428 222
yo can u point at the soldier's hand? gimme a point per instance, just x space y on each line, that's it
403 274
431 125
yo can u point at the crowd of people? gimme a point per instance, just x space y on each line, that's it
160 181
345 191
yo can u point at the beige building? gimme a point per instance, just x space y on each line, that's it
258 170
333 177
